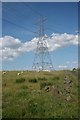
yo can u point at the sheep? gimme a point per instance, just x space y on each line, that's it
38 70
21 72
4 73
18 74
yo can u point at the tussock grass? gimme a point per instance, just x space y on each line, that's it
42 78
33 80
20 80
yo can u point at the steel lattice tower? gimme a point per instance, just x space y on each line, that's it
42 60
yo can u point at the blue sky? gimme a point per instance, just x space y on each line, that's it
61 18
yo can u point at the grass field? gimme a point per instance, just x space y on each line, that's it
25 96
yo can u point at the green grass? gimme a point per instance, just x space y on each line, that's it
20 80
33 80
43 84
23 96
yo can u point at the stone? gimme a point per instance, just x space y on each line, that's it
47 88
68 98
54 90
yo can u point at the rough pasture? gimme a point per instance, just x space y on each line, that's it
39 95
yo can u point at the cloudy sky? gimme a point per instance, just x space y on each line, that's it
18 42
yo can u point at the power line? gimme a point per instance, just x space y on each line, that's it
14 10
38 13
18 25
21 14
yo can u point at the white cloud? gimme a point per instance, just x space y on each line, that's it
62 66
68 65
61 40
75 64
11 47
9 42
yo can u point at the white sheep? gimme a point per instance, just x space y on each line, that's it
18 73
21 72
4 73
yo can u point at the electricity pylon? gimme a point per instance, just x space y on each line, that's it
42 60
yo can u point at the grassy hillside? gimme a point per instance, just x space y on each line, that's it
39 95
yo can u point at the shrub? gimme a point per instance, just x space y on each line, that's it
20 80
33 80
74 69
43 84
42 78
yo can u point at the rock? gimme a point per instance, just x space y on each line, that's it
70 82
61 93
68 98
47 88
54 90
